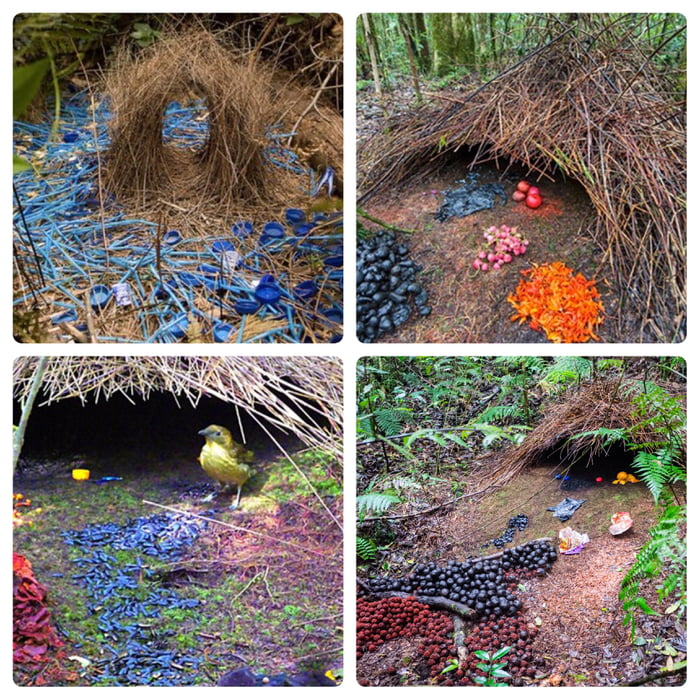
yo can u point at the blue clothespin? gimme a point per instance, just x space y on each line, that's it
326 179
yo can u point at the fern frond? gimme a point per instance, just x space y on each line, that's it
375 502
499 413
366 549
390 420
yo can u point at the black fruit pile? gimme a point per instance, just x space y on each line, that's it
517 522
386 284
537 556
481 584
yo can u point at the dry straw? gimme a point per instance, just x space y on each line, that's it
229 168
300 395
592 103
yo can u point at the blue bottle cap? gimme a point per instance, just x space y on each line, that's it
303 229
99 296
171 237
295 216
267 293
222 332
273 229
246 306
242 228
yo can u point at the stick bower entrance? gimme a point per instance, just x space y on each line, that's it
230 165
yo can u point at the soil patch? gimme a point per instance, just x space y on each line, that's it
470 305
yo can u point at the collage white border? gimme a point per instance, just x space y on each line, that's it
349 349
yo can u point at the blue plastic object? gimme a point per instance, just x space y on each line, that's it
172 237
295 216
190 280
303 229
306 289
267 293
222 246
222 332
246 306
67 316
178 326
273 229
242 228
70 137
99 296
334 261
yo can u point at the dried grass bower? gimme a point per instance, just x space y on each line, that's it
229 168
601 404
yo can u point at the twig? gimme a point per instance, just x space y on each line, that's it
286 543
655 676
312 104
391 227
434 601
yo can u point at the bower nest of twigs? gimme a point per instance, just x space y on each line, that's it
569 429
592 105
229 168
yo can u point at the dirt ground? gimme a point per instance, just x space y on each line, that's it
268 578
471 306
581 639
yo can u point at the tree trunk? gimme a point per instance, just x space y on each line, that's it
370 40
411 56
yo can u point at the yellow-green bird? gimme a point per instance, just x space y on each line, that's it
225 460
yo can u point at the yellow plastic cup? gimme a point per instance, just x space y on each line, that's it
81 474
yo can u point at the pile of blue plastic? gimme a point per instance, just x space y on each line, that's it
127 600
76 258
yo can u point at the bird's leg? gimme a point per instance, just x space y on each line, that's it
235 504
214 494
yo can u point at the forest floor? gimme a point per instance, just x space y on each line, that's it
469 305
581 640
264 580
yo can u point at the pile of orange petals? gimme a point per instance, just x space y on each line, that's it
565 306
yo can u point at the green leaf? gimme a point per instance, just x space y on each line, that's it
499 673
501 653
26 81
19 165
644 606
481 654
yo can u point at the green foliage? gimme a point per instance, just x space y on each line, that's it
366 549
143 34
492 667
663 559
659 469
566 371
500 413
493 434
440 437
375 502
26 81
390 420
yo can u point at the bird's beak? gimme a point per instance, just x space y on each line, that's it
204 432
